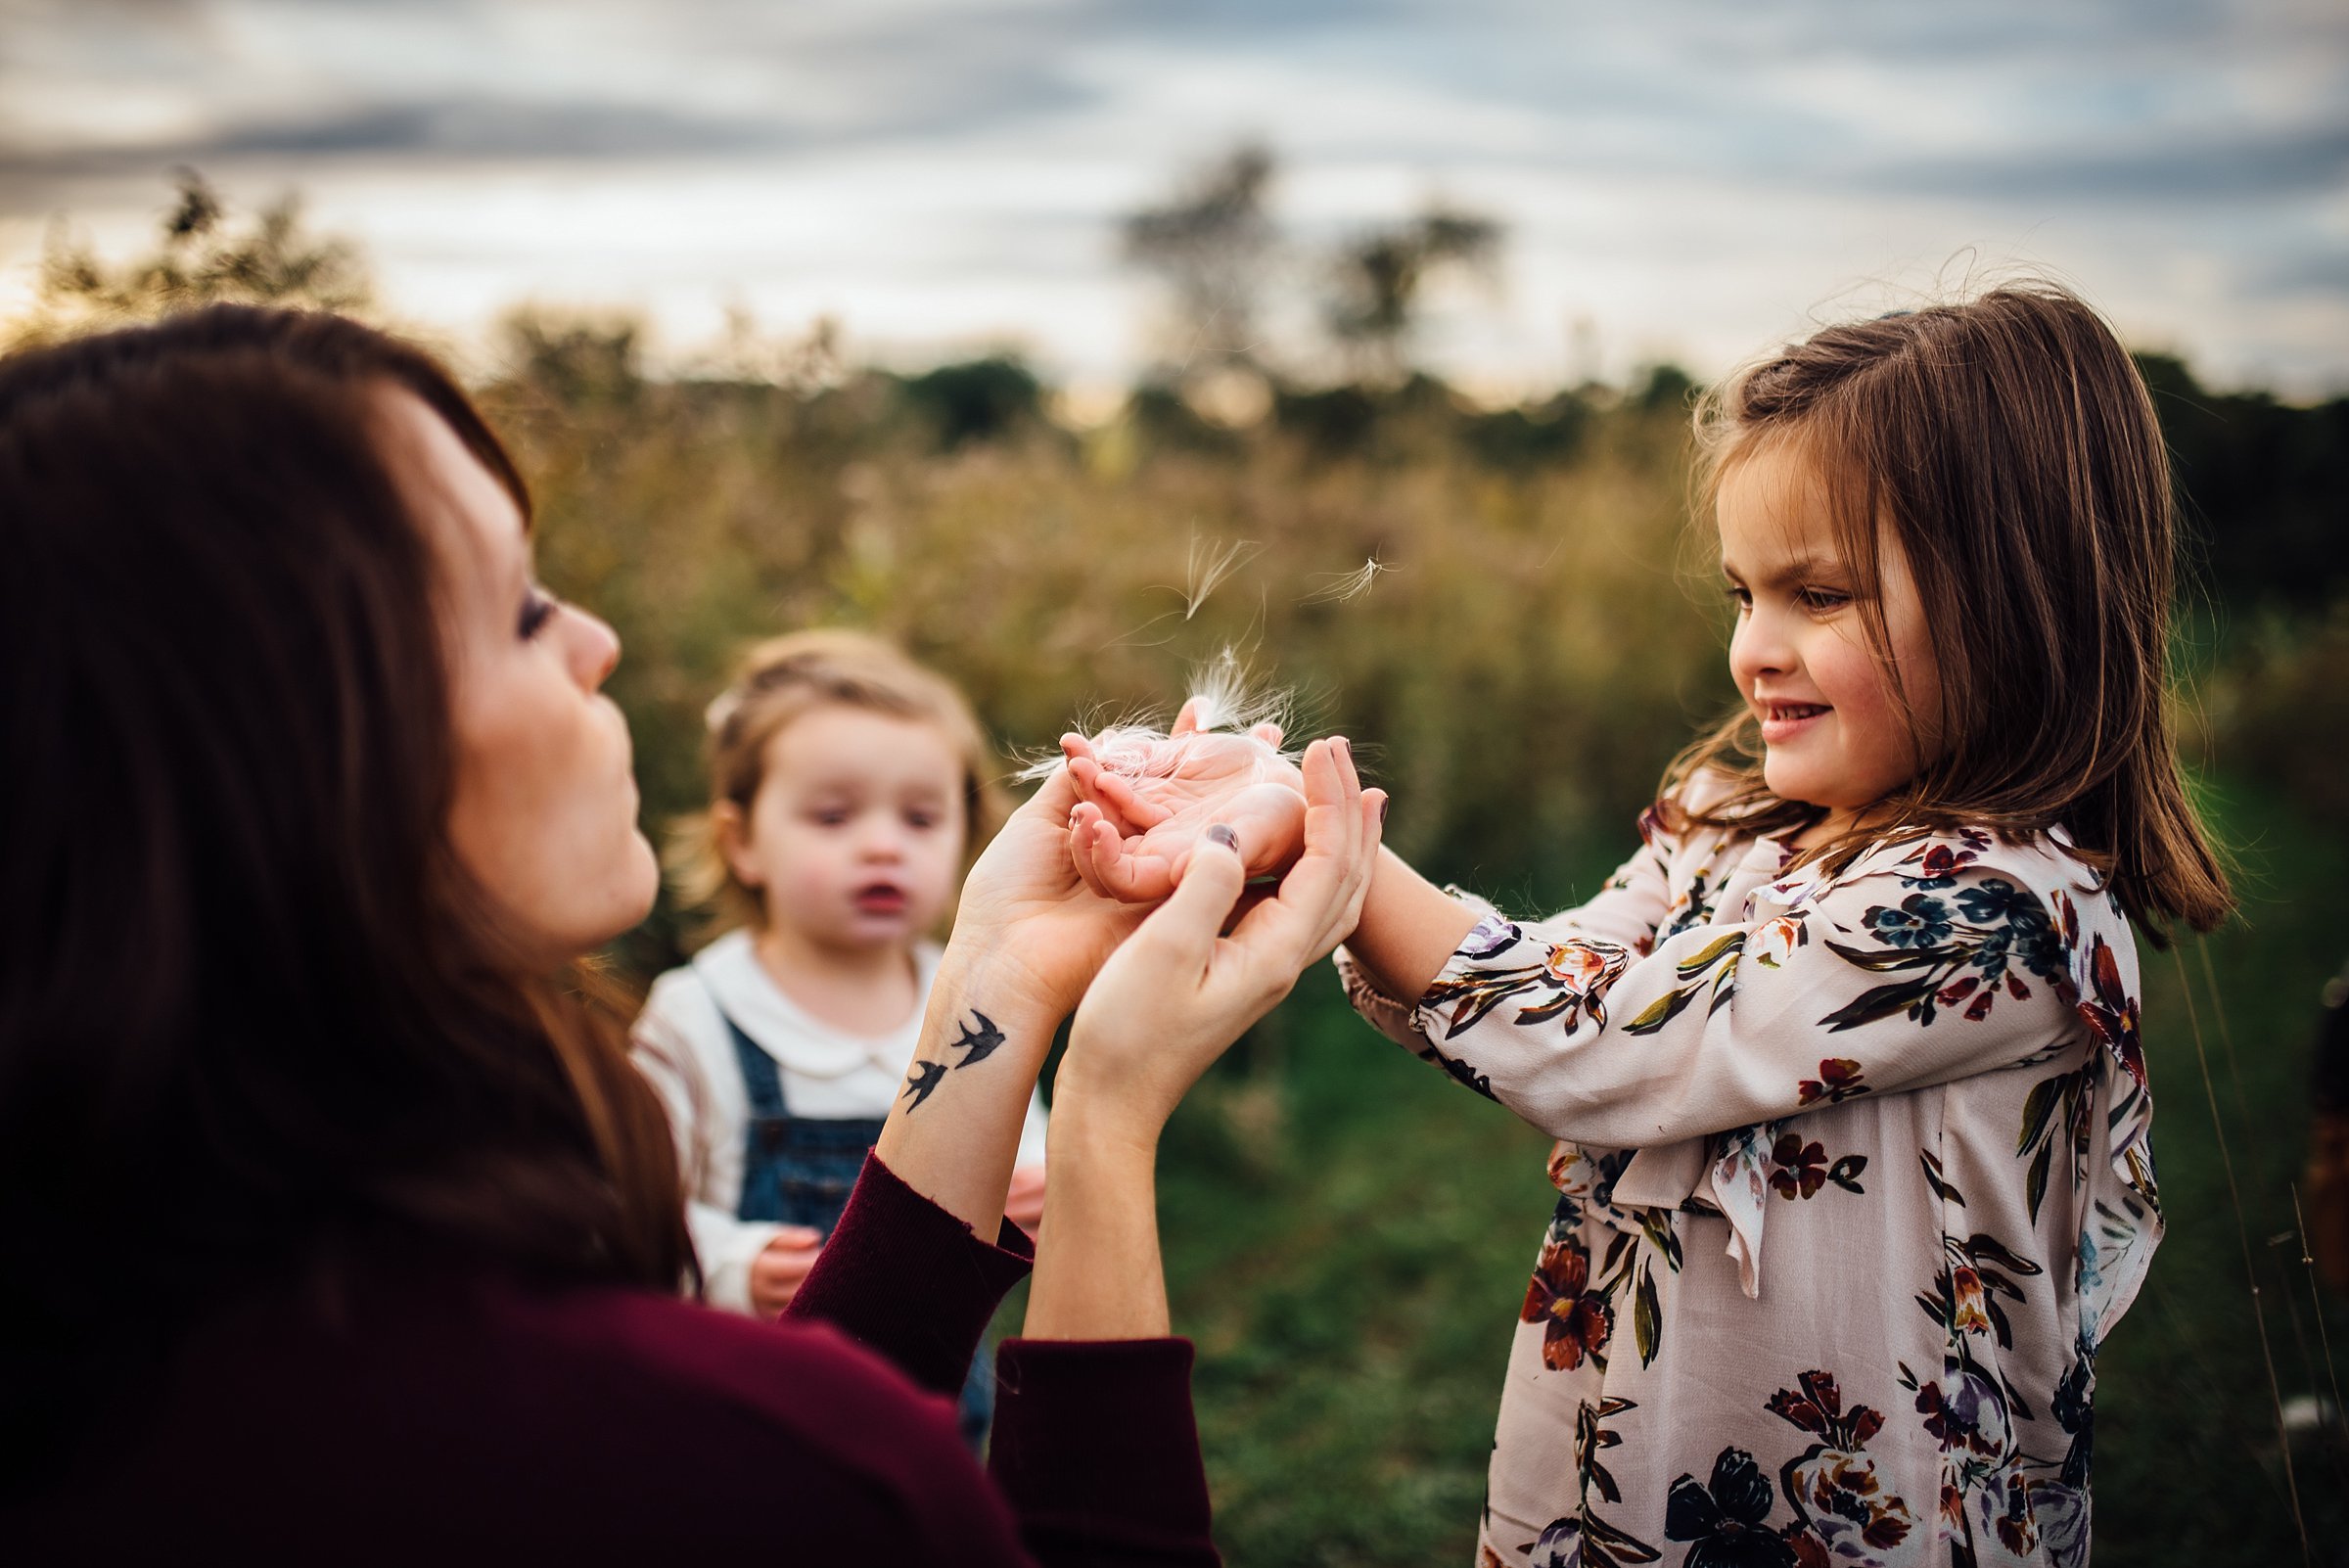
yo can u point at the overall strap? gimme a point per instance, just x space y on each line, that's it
761 1078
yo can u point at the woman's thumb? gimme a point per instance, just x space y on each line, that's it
1213 878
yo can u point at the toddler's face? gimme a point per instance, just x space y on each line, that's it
1836 731
857 833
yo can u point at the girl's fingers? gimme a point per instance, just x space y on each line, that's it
1186 722
1080 857
1119 795
1268 733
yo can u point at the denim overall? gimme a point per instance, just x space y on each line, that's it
798 1170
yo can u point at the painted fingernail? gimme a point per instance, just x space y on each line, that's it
1223 834
1347 747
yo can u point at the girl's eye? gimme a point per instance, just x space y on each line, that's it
537 610
920 819
832 816
1824 599
1743 598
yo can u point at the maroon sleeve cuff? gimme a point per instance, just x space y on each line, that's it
1096 1448
902 1276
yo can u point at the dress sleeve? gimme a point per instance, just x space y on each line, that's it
1629 909
1929 967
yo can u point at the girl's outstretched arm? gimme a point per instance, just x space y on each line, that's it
1917 965
1409 929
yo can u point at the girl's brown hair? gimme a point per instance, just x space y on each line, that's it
775 682
2008 447
254 1018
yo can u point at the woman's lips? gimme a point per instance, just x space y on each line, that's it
1785 722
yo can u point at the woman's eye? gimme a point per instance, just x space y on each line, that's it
537 610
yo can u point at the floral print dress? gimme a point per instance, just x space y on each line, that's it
1853 1180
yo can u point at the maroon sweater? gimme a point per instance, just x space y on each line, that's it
445 1415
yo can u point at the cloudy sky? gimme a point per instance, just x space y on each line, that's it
1685 178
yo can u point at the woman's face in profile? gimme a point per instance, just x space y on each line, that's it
545 810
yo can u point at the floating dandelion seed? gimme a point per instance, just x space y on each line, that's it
1340 587
1225 700
1206 566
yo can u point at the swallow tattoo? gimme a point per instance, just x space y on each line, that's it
925 1079
981 1042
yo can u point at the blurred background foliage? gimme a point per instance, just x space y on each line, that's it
1346 1235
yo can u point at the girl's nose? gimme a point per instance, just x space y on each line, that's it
1759 648
881 842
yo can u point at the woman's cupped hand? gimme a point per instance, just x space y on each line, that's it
1182 988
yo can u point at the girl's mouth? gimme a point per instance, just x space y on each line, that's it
881 899
1783 721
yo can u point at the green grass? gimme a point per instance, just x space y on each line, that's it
1348 1235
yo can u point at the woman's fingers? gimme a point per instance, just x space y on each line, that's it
1321 893
1181 932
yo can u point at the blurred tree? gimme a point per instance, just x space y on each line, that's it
573 361
1662 388
1215 246
200 261
979 399
2260 484
1377 279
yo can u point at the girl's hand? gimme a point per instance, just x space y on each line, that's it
1177 994
776 1272
1133 832
1266 823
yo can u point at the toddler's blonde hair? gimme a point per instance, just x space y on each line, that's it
777 682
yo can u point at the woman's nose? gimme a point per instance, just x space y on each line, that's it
594 648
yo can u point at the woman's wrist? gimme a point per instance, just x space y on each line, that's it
1098 1274
955 1131
1089 1129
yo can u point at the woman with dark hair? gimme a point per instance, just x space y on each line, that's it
338 1224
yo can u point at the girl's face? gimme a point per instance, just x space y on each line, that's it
857 833
1835 722
545 809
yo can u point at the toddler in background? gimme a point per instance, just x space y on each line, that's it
849 790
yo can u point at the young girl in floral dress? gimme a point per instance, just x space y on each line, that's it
1853 1176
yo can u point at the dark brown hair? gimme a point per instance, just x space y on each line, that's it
776 681
254 1016
2008 447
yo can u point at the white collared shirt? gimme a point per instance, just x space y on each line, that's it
682 1045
